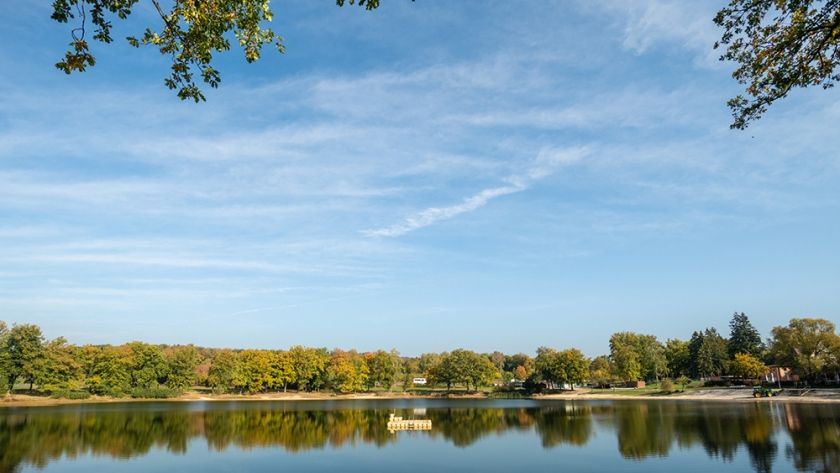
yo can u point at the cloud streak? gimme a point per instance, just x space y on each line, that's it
546 163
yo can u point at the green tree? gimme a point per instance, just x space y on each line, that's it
626 364
599 370
561 367
442 370
712 355
464 367
61 368
743 337
694 352
148 365
5 358
519 359
480 370
400 366
190 33
646 351
182 362
383 368
678 357
86 357
809 345
256 366
409 367
576 366
347 371
310 366
283 369
778 45
652 359
547 366
428 363
225 372
26 354
110 371
747 366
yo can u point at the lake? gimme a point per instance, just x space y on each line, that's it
466 436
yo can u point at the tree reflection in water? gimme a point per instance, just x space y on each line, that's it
643 429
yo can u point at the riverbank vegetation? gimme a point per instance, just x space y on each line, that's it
30 363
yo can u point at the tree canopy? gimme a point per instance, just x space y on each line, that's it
562 367
778 45
637 356
747 366
190 33
811 347
25 354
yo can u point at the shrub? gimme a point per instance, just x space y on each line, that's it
67 394
666 386
154 393
717 383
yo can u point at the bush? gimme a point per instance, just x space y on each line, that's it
154 393
717 383
666 386
67 394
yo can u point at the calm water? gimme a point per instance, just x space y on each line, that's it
466 435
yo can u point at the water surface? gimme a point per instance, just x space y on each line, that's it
466 436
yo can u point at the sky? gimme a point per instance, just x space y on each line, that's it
431 175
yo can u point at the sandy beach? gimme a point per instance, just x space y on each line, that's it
712 394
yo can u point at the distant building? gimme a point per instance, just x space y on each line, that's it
777 373
418 381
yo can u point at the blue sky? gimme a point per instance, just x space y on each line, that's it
431 175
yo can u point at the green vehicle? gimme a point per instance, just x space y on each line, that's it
764 391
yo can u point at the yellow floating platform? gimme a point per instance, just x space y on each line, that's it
396 423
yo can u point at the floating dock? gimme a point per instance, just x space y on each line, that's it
396 423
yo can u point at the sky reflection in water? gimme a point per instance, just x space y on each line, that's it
466 436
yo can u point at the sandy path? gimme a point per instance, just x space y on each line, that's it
713 394
730 395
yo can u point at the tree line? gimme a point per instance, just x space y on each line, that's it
811 347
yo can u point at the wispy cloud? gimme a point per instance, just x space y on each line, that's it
649 23
291 186
252 311
546 163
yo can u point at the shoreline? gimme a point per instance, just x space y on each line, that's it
703 395
700 395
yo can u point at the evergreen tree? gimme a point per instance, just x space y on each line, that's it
712 357
743 337
694 353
